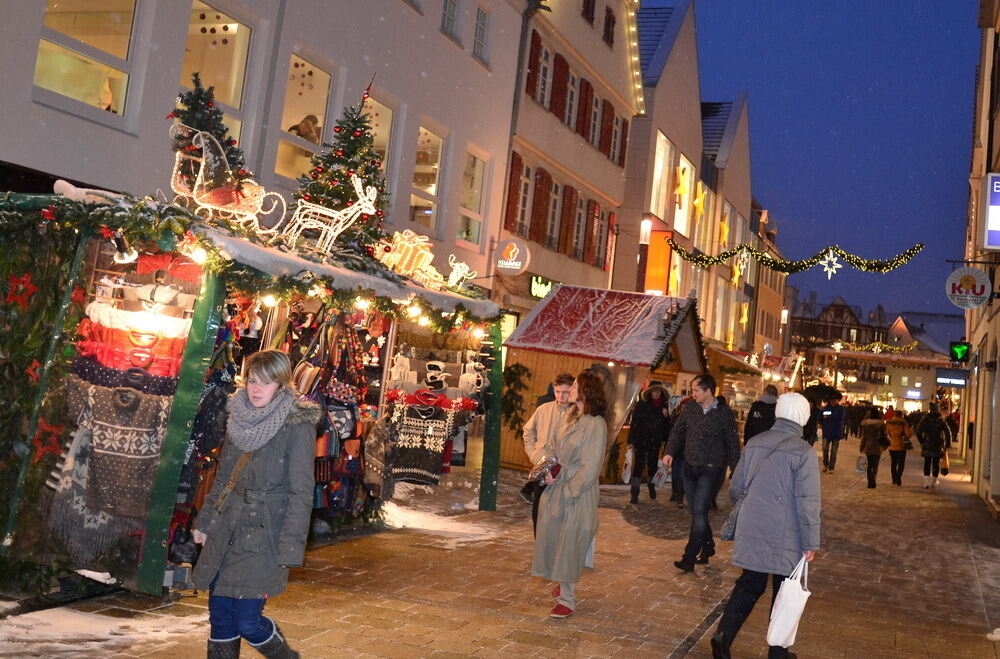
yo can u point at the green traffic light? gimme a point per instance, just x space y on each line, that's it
960 352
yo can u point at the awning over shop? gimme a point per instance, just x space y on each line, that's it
731 362
276 262
613 326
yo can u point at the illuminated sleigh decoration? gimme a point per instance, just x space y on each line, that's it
216 193
326 222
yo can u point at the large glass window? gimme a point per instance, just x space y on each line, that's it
544 88
217 48
449 18
480 40
84 51
683 193
579 227
307 92
616 138
663 160
426 179
471 199
595 122
703 215
524 201
380 116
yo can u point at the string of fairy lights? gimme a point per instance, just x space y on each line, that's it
827 257
876 347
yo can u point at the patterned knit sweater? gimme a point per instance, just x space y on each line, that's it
705 439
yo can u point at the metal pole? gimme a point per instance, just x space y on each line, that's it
490 474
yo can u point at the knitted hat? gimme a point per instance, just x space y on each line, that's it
793 407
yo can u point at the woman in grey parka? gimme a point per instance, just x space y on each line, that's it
254 522
778 522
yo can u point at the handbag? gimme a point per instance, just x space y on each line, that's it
308 373
728 530
907 444
628 466
945 464
861 464
788 606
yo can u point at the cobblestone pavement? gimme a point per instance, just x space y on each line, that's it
903 572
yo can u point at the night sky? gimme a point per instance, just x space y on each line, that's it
861 130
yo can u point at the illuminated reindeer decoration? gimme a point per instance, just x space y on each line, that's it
328 223
215 193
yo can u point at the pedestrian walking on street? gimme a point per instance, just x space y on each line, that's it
648 432
934 437
761 414
705 435
874 441
567 513
810 432
832 422
677 467
899 443
779 519
540 431
255 520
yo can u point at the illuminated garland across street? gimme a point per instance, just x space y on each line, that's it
875 346
827 255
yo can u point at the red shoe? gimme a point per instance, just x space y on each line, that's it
560 612
557 591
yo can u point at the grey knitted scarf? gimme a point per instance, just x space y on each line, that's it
251 427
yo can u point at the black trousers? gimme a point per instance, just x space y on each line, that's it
748 589
648 459
897 465
830 452
932 466
873 461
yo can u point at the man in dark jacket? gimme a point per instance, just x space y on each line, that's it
934 436
832 420
761 416
648 431
706 434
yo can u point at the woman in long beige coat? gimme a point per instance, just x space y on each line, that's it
567 515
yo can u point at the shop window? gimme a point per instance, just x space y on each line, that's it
471 199
904 380
683 196
544 89
480 39
380 116
572 94
426 178
726 226
595 122
579 227
524 201
853 334
555 211
609 27
663 161
84 51
449 18
307 93
217 49
616 138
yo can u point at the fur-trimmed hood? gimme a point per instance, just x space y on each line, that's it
304 411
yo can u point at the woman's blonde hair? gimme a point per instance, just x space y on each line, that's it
271 365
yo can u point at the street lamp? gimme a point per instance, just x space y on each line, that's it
645 231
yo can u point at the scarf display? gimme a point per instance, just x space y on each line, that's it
250 427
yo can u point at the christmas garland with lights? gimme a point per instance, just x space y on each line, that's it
827 254
875 346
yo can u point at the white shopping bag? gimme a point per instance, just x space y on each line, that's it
627 467
788 606
661 477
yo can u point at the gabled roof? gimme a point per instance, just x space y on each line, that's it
714 118
616 326
933 332
658 22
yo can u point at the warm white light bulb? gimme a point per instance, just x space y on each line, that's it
198 255
413 311
362 304
269 300
478 333
423 321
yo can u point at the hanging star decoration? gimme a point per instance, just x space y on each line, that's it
21 290
49 213
699 201
46 440
876 348
32 370
830 265
682 186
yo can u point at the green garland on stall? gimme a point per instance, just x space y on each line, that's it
791 267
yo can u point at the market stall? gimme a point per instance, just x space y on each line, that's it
622 336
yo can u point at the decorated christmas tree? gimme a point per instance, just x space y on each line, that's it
329 182
198 110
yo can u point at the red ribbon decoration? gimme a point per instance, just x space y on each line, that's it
49 213
32 370
21 290
79 295
46 440
107 232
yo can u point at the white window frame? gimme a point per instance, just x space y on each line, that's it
449 19
526 190
595 122
572 98
601 239
555 211
543 93
473 214
616 138
436 198
481 36
129 66
663 168
292 138
580 227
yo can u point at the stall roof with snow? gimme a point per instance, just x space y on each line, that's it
613 326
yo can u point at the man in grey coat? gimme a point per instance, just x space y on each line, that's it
540 431
778 523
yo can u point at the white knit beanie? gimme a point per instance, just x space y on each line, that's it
793 407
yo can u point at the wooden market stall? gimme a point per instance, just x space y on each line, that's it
620 335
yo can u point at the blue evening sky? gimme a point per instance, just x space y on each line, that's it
861 129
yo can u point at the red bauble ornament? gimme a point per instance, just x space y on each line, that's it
386 249
365 216
357 133
232 142
335 182
370 251
242 172
350 172
337 129
306 197
210 104
315 176
340 152
378 163
319 170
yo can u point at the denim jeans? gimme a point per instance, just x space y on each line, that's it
232 617
830 452
699 486
677 480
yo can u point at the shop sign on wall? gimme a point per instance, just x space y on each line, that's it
511 256
952 377
991 236
968 288
540 286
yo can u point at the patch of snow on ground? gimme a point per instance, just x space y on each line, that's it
455 531
7 606
63 632
407 490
